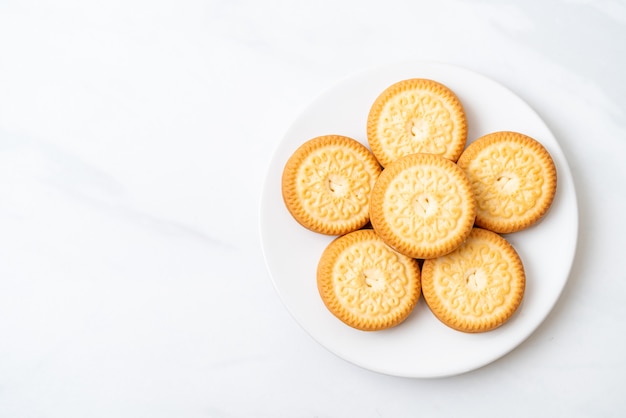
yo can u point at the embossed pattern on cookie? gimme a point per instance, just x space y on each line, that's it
478 286
422 205
365 283
416 116
513 178
327 183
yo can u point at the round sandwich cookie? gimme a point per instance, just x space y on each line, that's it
478 286
327 182
366 284
416 115
513 178
422 205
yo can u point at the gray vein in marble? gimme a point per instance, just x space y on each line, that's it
595 55
74 178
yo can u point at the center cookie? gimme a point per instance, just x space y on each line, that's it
423 206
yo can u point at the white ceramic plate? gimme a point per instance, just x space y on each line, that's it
421 346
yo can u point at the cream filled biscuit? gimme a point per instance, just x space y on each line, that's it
422 205
366 284
327 182
478 286
416 116
513 180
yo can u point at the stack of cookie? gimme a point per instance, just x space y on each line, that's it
420 213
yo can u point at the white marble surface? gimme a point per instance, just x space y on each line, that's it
134 137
